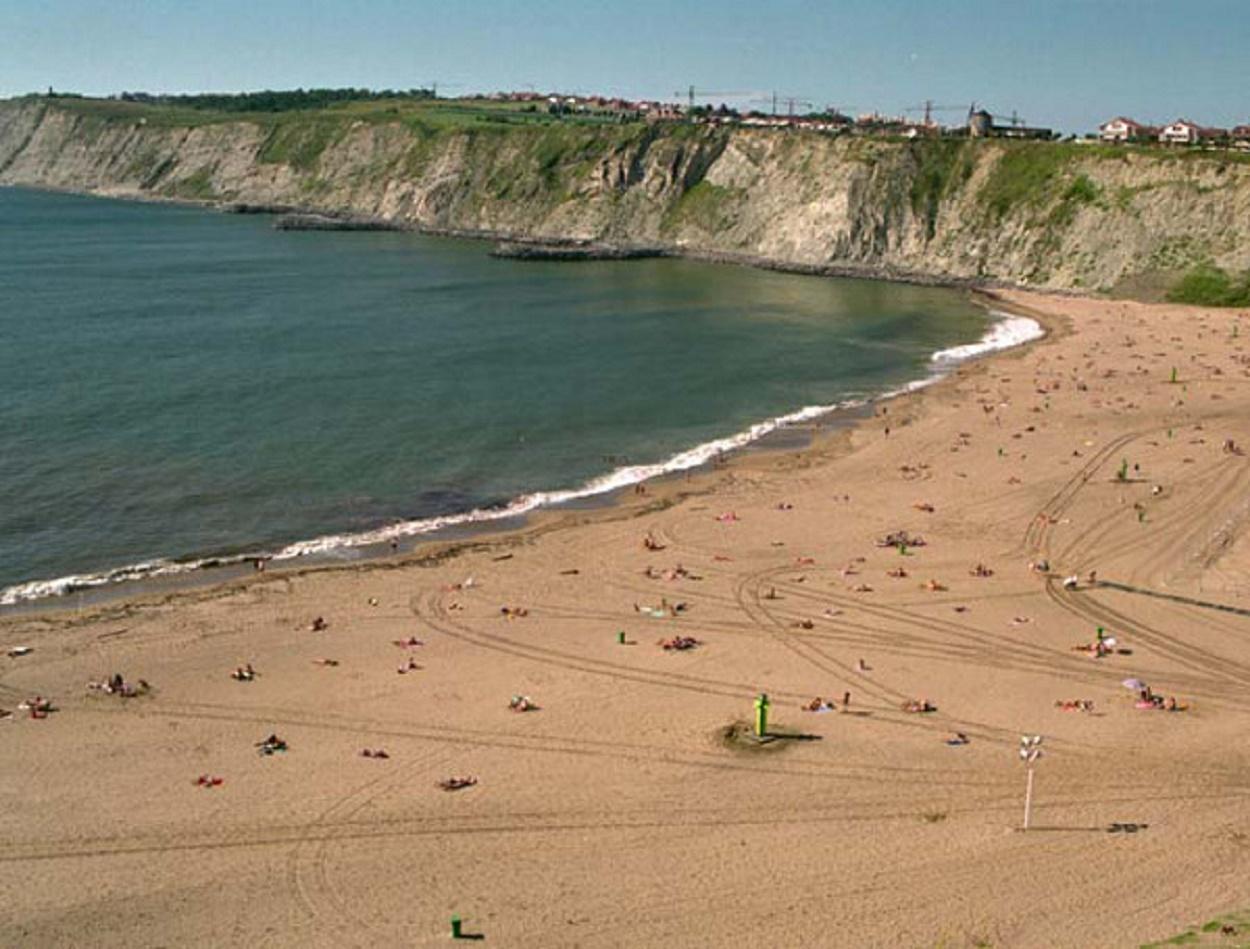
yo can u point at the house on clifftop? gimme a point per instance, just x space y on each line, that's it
1122 129
1184 132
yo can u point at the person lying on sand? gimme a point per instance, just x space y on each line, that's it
650 543
456 783
208 781
981 570
319 625
959 738
728 517
117 685
934 587
919 706
410 667
1071 582
924 506
244 673
679 643
1097 650
1075 705
514 612
325 662
38 707
522 703
898 573
410 641
373 753
819 705
271 745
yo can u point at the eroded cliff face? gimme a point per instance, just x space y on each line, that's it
1064 216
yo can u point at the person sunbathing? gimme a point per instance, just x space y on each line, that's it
410 641
898 573
981 570
271 745
326 662
38 707
244 673
679 643
818 705
208 781
958 739
919 706
650 543
319 625
410 667
456 783
934 587
522 703
373 753
1074 705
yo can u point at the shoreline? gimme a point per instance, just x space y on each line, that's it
168 580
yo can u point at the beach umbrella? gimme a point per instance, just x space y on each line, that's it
1135 684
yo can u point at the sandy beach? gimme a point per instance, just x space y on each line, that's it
626 808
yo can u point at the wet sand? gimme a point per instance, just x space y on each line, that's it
618 813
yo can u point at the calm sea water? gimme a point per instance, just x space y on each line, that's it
176 382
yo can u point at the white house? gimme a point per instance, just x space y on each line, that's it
1121 129
1183 132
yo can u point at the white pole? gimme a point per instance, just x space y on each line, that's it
1028 799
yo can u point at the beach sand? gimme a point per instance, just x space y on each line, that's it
618 813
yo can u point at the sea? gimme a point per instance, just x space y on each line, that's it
182 388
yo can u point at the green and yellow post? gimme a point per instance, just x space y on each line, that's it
761 715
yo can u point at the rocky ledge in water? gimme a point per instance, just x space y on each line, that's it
574 250
304 221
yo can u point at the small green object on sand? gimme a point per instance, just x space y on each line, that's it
455 927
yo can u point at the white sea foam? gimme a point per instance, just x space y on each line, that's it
1006 332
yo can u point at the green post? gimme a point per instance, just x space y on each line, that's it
761 715
1173 375
620 637
455 927
1101 633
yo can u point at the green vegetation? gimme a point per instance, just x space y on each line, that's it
300 143
197 186
942 166
1025 175
705 206
1208 285
275 101
1231 930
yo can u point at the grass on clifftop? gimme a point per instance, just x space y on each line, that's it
1208 285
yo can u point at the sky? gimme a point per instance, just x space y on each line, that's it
1065 64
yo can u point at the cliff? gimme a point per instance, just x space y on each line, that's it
1055 215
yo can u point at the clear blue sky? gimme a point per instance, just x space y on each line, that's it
1064 63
